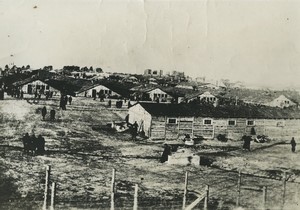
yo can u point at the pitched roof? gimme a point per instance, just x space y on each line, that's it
198 93
118 87
144 88
87 87
261 96
25 81
196 110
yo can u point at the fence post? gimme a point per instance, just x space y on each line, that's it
264 197
206 197
185 190
53 191
47 178
297 193
239 189
135 203
112 189
165 133
284 188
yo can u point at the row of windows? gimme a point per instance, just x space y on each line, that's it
40 87
209 99
106 91
210 122
157 95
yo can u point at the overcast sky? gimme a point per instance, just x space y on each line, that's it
256 41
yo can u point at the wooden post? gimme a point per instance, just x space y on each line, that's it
135 203
165 134
284 188
238 189
112 189
206 197
185 190
193 128
178 127
53 188
264 197
297 193
47 178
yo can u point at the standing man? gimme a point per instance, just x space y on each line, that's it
52 115
70 100
247 142
26 143
293 144
40 145
33 144
165 154
134 130
44 112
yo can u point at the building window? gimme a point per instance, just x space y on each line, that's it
250 123
47 87
172 121
38 87
207 122
231 122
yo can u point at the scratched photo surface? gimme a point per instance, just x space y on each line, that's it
149 104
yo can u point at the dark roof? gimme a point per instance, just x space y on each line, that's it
25 81
196 110
118 87
144 88
178 92
87 87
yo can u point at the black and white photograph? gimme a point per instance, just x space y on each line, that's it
150 104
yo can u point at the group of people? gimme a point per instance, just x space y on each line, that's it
17 93
64 99
33 145
52 113
247 141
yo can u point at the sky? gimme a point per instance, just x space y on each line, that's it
254 41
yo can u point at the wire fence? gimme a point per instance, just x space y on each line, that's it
226 192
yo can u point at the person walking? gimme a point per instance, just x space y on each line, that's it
44 112
293 144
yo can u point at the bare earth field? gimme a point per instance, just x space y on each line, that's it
82 152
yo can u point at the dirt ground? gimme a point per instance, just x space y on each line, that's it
82 151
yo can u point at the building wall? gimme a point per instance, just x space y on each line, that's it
274 128
281 102
158 93
143 118
37 86
106 91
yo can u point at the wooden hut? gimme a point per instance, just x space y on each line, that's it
171 121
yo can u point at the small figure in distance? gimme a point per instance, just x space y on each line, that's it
44 112
52 115
293 144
